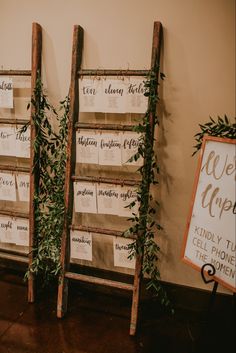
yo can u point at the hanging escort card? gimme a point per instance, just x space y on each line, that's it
22 231
85 197
110 149
7 187
6 92
23 185
22 143
87 147
114 96
127 195
136 102
130 144
7 141
90 95
108 199
81 245
121 253
7 230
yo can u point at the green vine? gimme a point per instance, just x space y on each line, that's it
144 223
220 128
49 171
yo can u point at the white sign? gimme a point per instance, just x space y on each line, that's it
110 149
85 197
210 233
136 102
90 95
87 147
81 245
7 229
22 231
7 187
130 144
108 199
121 252
6 92
7 140
23 186
22 143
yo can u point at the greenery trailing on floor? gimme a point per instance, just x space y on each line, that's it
49 171
222 127
144 223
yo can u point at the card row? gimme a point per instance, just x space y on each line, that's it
107 148
10 183
13 143
105 199
81 248
113 95
14 230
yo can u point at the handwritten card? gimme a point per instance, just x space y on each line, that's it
130 144
22 231
91 95
127 195
7 140
85 197
6 92
136 102
121 253
114 96
7 187
23 186
110 149
108 199
81 245
7 229
22 143
87 147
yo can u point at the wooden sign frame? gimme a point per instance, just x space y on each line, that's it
205 240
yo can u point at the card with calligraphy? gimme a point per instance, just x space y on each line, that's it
108 199
22 231
87 147
6 92
22 143
90 95
130 144
81 245
85 197
110 149
127 195
121 253
7 187
23 186
7 140
136 102
7 230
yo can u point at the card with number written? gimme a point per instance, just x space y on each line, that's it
127 195
108 199
23 186
91 95
110 149
7 140
7 187
87 147
85 197
121 253
130 144
6 92
22 143
22 231
7 229
136 102
81 245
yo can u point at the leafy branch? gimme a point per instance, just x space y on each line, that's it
220 128
144 223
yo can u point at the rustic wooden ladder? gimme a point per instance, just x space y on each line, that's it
70 177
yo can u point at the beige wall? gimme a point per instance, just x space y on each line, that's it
198 60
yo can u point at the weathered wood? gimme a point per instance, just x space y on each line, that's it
99 281
92 179
14 214
77 48
35 70
108 72
14 168
11 257
15 72
14 253
92 126
13 121
114 233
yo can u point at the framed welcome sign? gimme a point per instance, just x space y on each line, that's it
211 224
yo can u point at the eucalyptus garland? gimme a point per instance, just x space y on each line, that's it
144 223
49 171
223 127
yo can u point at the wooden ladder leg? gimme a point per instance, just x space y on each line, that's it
31 288
136 295
62 297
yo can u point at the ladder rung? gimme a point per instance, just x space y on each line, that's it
92 179
13 121
14 168
100 281
94 126
14 214
15 72
115 233
110 72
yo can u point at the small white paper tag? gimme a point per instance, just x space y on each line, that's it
6 92
121 253
7 187
81 245
108 199
23 186
110 149
87 147
22 231
85 197
7 230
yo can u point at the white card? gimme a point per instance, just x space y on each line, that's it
85 197
22 143
114 96
81 245
121 252
127 195
7 141
108 199
110 149
7 229
90 95
87 147
130 144
7 187
6 92
23 186
136 102
22 231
